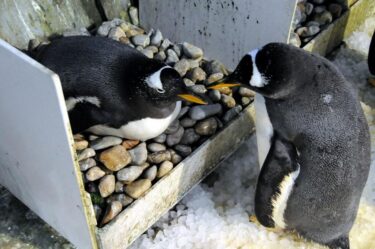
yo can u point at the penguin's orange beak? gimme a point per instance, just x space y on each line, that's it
218 85
192 98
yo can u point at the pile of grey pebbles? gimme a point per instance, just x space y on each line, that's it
118 171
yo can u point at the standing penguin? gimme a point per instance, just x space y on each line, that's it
314 143
113 89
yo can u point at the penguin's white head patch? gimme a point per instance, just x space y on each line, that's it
257 79
154 80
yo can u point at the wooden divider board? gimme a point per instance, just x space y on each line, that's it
37 162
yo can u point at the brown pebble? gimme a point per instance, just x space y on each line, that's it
115 158
225 90
206 127
107 185
78 137
138 188
158 157
124 39
228 101
164 168
80 145
113 209
94 173
130 144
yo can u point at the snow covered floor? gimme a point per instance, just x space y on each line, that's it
215 216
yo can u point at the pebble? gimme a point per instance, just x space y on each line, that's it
150 173
124 40
141 40
164 168
161 138
183 150
196 74
115 158
323 18
165 44
123 198
138 188
215 95
173 127
158 157
312 23
319 9
160 56
130 144
113 209
125 26
199 89
335 9
107 185
318 1
133 31
144 166
133 13
214 77
228 101
115 33
187 122
98 211
192 51
245 100
94 173
171 56
81 145
189 137
204 111
225 90
188 82
152 48
119 187
87 164
93 137
194 63
182 67
105 142
214 66
308 31
86 153
232 113
139 154
103 29
129 174
246 92
309 8
155 147
156 38
148 53
183 111
175 158
77 32
206 127
177 49
175 138
78 137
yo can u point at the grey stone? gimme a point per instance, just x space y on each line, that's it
189 137
199 89
193 63
103 29
173 127
161 138
196 74
192 51
119 187
164 169
116 33
182 67
228 101
319 9
215 95
155 147
214 66
139 154
171 56
153 49
308 31
107 185
165 44
177 49
77 32
158 157
183 111
150 173
124 199
183 150
204 111
175 158
206 127
129 174
160 56
156 38
141 40
139 48
187 122
98 211
94 173
214 77
87 164
312 23
246 92
232 113
323 18
188 82
309 8
148 53
133 13
86 153
105 142
175 138
138 188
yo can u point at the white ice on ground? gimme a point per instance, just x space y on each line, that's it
216 217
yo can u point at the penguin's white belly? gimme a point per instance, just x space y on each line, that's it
142 129
264 128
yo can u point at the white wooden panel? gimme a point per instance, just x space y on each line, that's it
225 29
36 159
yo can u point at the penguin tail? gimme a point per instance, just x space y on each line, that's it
339 243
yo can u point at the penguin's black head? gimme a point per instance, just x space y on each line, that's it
163 86
269 71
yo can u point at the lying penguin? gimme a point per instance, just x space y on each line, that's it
113 89
314 143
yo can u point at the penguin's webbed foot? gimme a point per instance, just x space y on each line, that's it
253 219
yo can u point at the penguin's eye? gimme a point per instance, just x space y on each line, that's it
160 90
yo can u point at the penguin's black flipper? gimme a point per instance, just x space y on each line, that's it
371 55
340 243
280 162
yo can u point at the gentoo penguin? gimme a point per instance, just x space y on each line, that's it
316 145
113 89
